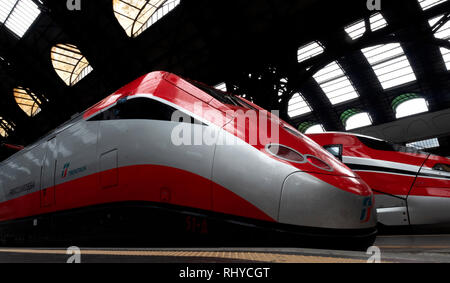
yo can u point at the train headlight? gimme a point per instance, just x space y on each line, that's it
319 163
285 153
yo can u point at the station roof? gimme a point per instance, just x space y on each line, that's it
327 65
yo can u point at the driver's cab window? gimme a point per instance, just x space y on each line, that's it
335 150
141 109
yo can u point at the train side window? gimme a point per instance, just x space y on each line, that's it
442 167
335 149
141 109
386 146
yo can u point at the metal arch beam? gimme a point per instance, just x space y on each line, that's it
321 106
362 76
422 49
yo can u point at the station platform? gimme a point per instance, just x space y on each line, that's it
394 249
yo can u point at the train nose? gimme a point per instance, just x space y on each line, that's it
308 201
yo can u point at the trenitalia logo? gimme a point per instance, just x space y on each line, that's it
65 169
367 209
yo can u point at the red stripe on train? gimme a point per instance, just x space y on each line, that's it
136 183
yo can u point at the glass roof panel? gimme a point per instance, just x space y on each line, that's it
335 84
5 127
27 101
135 16
356 30
358 121
69 63
377 22
222 87
309 51
444 31
390 64
411 107
427 4
446 55
316 129
298 106
18 15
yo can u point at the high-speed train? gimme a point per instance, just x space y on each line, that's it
126 169
411 187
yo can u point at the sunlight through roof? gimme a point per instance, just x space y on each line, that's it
316 129
18 15
69 63
357 30
442 33
222 87
335 84
309 51
425 144
358 121
427 4
5 128
27 101
135 16
298 106
390 64
411 107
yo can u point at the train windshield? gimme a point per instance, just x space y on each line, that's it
221 96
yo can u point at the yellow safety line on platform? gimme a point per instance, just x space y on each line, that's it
245 256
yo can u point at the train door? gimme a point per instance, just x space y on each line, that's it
48 175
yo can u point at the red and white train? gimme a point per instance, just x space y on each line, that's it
115 173
411 187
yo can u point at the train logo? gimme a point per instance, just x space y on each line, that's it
367 208
65 170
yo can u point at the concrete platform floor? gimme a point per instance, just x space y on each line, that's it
394 249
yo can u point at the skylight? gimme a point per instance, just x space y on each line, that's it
298 106
425 144
222 87
335 84
377 22
27 101
411 107
316 129
69 63
309 51
5 128
357 30
390 64
427 4
446 55
443 33
135 16
18 15
358 121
